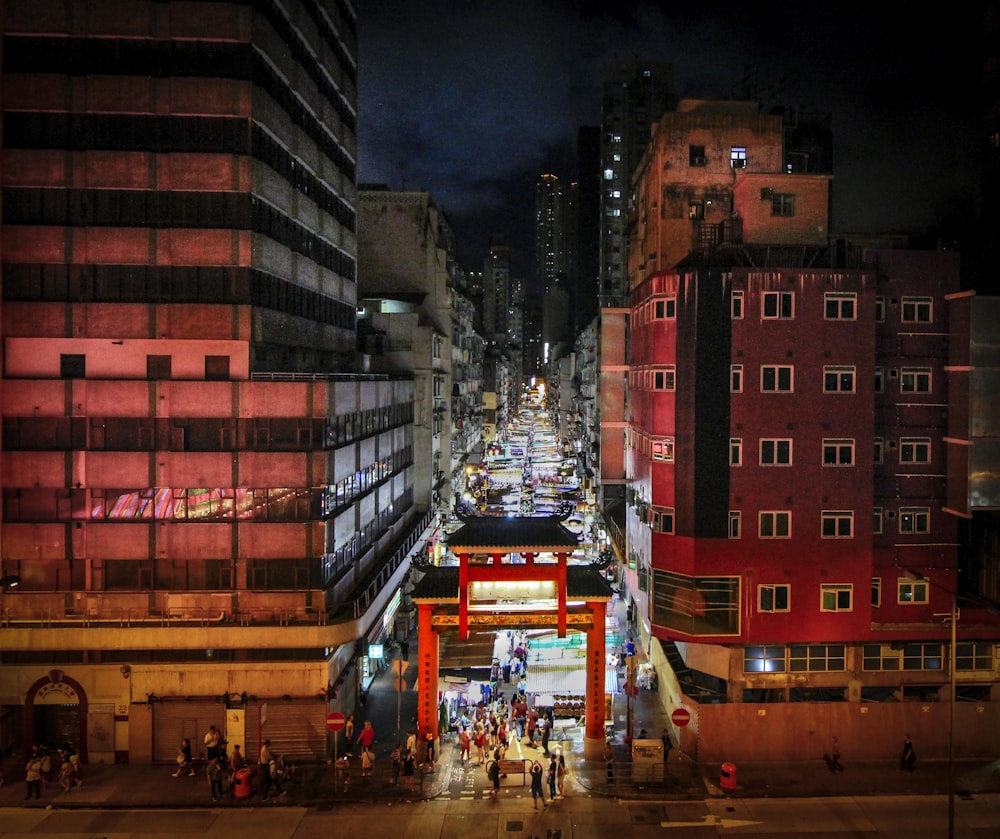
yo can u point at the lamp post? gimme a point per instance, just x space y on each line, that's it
916 575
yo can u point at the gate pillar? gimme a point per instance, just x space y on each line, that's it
593 735
428 657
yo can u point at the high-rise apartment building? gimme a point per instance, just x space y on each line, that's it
797 436
635 94
207 505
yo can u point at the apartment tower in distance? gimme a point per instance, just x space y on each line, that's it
207 504
635 94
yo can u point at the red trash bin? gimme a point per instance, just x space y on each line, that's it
728 778
241 783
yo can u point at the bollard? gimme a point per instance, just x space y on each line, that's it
728 777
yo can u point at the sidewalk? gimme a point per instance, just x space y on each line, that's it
152 786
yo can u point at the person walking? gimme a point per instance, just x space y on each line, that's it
665 739
493 773
431 743
609 761
236 763
550 776
367 735
835 756
536 784
214 773
561 775
367 761
397 762
184 759
349 733
66 775
908 759
212 740
265 758
33 776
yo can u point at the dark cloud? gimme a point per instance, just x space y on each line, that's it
473 100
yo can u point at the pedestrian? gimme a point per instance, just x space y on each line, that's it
609 761
545 726
493 773
397 762
184 759
264 760
349 733
33 776
480 741
367 761
908 759
835 756
551 777
367 735
212 740
46 755
431 741
66 776
274 775
665 739
536 784
561 775
532 725
236 763
214 773
404 649
465 744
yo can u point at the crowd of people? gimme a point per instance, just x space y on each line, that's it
47 766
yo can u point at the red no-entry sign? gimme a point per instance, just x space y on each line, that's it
335 721
681 716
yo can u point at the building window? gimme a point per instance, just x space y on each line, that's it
911 591
735 451
763 659
974 655
923 657
877 518
880 380
773 598
696 156
838 452
216 368
158 366
738 157
664 378
735 524
880 310
838 379
775 524
782 204
837 524
915 380
914 520
778 305
664 307
777 452
72 366
915 450
664 450
776 378
917 310
736 305
880 657
878 450
840 306
876 591
816 658
696 211
836 597
663 520
736 378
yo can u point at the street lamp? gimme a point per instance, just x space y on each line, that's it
916 575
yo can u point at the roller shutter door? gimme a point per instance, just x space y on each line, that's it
173 721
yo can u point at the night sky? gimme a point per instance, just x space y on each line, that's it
473 100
